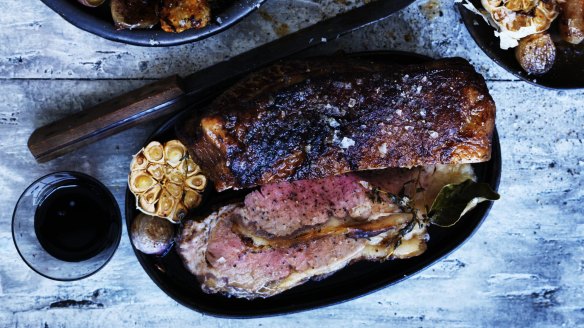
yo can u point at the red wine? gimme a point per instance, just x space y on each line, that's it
75 222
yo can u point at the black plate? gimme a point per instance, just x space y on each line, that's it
353 281
568 69
99 22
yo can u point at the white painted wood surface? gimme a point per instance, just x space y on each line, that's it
524 267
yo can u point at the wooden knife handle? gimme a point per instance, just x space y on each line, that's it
141 105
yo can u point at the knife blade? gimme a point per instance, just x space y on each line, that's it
173 94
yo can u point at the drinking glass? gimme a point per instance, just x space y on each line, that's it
39 258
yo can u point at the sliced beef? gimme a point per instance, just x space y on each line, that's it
250 253
285 208
227 262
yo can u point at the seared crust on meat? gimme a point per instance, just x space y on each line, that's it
181 15
315 118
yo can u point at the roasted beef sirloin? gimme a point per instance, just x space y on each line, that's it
287 233
348 154
312 119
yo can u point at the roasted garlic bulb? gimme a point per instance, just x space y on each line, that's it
91 3
134 14
516 19
166 181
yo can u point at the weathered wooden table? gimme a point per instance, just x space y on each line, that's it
524 267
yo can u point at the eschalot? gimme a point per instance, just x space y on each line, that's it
315 118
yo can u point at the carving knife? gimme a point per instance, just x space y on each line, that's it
173 94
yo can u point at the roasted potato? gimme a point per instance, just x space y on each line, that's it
151 235
180 15
536 53
132 14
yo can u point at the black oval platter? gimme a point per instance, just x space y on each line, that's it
566 73
351 282
99 22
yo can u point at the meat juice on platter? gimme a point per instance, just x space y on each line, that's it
74 222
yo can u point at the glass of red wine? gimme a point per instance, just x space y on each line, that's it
66 226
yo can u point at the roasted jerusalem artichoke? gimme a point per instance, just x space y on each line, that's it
180 15
133 14
572 21
536 53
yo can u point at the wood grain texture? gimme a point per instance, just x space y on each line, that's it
523 267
